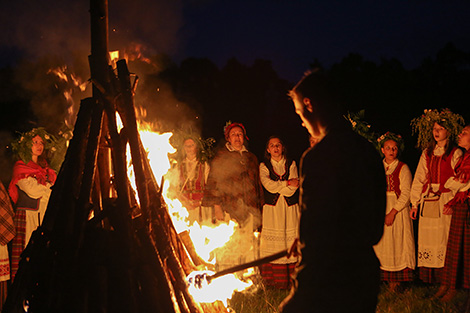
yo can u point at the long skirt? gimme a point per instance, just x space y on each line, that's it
431 275
457 266
396 249
278 275
397 276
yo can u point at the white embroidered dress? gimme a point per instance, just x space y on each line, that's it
432 232
34 190
396 249
280 221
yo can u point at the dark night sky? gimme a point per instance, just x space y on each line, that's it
290 33
293 33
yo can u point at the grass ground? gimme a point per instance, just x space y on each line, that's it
413 298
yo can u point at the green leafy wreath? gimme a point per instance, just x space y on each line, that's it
204 146
55 147
423 125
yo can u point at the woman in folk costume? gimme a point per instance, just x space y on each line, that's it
7 232
437 131
281 213
193 171
234 191
30 188
396 249
457 264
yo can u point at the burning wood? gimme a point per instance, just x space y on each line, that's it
201 278
206 276
104 246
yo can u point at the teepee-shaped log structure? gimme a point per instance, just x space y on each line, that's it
98 249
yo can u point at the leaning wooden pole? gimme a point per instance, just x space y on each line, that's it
75 264
126 106
160 237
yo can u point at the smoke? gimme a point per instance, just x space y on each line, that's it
153 23
55 91
236 185
161 107
51 40
56 34
49 27
38 28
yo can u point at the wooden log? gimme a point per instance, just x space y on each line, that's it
163 243
165 246
127 112
99 58
158 285
164 234
84 199
103 188
64 192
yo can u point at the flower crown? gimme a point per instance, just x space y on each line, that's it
54 148
424 124
391 136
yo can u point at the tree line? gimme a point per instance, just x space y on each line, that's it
198 94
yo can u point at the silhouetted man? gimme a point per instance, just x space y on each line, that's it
343 208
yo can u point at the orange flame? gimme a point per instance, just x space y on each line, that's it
73 81
206 238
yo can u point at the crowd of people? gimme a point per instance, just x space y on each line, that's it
346 213
351 243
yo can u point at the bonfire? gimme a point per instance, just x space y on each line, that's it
113 239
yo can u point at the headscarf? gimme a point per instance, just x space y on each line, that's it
229 126
20 170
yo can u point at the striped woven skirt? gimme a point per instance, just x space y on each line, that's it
397 276
277 275
457 266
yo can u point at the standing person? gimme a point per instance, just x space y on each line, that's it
281 214
342 197
193 173
457 263
437 131
234 191
30 188
7 233
396 249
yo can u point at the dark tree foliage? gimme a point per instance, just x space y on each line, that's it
200 95
253 95
15 109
